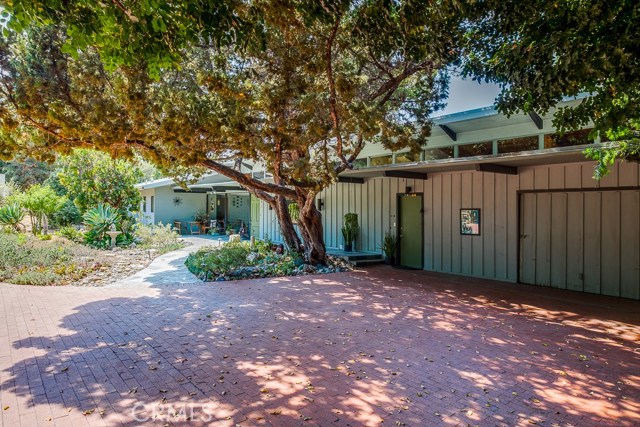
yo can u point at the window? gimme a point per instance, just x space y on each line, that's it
407 157
144 204
153 204
579 137
381 160
472 150
359 163
513 145
438 153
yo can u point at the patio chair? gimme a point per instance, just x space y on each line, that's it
177 225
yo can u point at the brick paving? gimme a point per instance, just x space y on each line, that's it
381 347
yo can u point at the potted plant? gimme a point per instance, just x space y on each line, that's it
229 230
346 235
350 231
202 219
389 246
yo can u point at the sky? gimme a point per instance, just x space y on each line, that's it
467 95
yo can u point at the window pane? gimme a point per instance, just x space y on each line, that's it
359 163
471 150
579 137
407 157
438 153
513 145
153 204
381 160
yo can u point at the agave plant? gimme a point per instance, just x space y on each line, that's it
100 220
11 215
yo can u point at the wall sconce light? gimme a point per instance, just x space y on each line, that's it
320 204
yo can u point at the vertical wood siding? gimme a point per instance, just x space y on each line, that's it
494 253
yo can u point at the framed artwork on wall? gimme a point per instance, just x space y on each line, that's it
470 222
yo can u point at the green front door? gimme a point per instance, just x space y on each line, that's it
255 217
410 230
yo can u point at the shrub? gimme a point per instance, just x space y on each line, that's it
236 260
72 233
219 261
11 215
160 237
67 215
128 227
37 278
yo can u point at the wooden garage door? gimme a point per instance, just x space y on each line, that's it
583 241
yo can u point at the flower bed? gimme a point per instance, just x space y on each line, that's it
238 260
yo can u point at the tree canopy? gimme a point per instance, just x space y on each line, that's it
298 85
127 32
325 80
541 52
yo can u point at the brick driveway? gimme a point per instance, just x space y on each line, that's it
383 347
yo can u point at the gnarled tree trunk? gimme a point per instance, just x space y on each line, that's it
310 225
288 231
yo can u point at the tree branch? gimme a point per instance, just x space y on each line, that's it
126 11
388 88
333 103
247 181
356 152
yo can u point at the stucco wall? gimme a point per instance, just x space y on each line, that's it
167 211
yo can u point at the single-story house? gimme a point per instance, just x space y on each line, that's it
490 196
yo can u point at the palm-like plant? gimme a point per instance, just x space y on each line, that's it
100 219
11 215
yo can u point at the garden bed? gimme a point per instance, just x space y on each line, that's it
28 260
239 260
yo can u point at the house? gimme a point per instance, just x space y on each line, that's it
223 201
490 196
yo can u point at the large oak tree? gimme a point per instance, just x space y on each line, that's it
302 94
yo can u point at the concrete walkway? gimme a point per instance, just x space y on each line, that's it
168 269
380 347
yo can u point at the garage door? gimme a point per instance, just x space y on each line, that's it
583 241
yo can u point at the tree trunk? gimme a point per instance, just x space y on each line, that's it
291 238
310 225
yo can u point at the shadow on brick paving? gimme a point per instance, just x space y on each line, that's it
374 347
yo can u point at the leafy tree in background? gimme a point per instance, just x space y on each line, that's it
321 81
25 172
541 52
40 202
148 172
93 178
